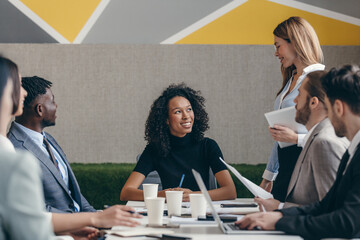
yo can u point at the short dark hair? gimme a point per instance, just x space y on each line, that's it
157 132
313 85
343 84
34 86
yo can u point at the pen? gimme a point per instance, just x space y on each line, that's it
182 179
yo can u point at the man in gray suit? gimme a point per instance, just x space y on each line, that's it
316 167
61 189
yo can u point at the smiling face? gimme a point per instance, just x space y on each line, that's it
181 116
284 51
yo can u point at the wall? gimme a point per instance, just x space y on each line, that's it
104 92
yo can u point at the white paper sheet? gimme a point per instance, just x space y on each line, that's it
285 117
252 187
137 231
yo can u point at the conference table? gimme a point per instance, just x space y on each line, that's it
206 231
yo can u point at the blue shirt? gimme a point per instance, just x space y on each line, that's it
272 166
38 138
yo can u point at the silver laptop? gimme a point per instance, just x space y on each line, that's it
228 228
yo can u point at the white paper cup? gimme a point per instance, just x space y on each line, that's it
150 191
197 205
155 211
173 201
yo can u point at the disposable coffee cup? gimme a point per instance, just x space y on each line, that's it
173 201
155 211
197 205
150 191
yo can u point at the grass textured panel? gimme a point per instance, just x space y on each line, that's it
102 183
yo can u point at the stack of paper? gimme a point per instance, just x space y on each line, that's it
285 117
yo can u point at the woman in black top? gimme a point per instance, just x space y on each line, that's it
176 144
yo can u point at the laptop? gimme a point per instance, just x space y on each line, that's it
227 228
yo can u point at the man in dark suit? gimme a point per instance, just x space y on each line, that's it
61 189
337 215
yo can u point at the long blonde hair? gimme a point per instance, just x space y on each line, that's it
302 36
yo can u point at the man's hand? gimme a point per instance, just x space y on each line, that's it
266 221
270 204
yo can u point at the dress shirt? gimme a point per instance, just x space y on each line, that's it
352 148
38 138
281 102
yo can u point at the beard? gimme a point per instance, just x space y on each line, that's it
339 127
303 114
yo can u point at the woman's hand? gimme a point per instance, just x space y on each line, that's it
266 185
115 215
283 134
186 193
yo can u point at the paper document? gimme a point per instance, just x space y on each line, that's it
252 187
181 220
285 117
137 231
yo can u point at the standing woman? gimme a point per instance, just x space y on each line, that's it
176 144
298 49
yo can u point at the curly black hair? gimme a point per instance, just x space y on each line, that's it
157 132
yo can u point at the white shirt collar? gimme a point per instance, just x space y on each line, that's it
354 143
307 136
5 144
38 138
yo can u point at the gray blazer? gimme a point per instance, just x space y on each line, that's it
22 212
316 167
56 193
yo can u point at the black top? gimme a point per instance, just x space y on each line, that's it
185 154
288 157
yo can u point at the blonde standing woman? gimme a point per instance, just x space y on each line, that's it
298 49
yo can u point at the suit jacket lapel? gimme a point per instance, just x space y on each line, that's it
39 154
300 161
72 179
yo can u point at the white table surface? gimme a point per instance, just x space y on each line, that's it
207 232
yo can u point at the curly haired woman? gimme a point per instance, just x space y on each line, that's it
176 144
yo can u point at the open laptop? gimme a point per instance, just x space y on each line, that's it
227 228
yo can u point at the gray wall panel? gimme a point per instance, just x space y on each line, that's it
15 27
104 92
347 7
144 21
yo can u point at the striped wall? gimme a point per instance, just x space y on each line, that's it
173 22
